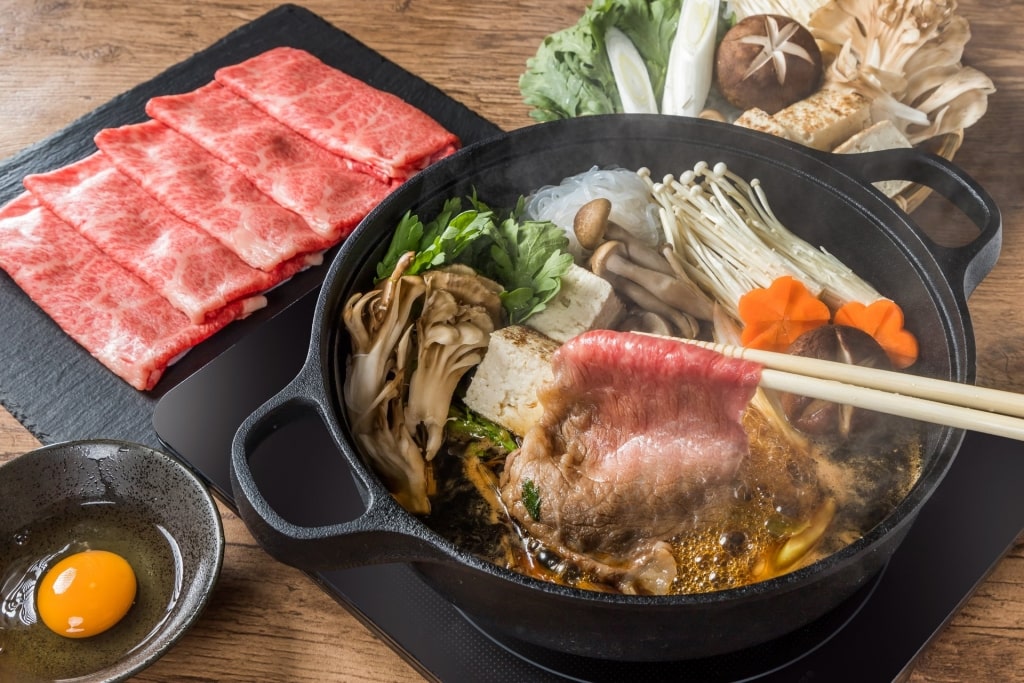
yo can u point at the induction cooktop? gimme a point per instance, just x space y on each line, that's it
303 477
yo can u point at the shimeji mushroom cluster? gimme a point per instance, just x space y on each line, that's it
668 301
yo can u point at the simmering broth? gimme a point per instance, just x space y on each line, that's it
794 501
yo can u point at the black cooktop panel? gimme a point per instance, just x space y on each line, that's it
967 526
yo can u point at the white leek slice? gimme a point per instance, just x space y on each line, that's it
691 61
631 77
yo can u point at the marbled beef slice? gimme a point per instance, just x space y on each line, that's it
203 190
297 173
195 272
378 131
119 319
638 435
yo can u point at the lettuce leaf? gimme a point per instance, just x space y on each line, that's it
571 76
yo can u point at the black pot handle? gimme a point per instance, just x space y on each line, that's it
968 264
384 532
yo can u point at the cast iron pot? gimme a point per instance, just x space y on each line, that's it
828 199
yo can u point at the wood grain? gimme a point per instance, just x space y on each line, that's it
268 622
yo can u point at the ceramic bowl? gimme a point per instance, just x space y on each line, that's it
126 498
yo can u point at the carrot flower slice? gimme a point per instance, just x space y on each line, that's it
883 320
775 316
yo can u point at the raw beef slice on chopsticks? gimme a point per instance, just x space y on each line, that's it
354 120
196 273
203 190
297 173
120 320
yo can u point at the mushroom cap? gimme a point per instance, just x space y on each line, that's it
748 60
651 322
602 256
591 221
841 344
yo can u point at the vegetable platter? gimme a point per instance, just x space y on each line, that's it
842 76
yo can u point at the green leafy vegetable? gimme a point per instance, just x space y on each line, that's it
571 75
531 499
465 425
436 243
528 258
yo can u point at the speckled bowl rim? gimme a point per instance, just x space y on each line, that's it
194 602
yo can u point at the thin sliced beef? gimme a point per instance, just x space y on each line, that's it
196 273
297 173
119 319
638 435
376 130
203 190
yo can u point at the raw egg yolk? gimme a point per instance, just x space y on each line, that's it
86 593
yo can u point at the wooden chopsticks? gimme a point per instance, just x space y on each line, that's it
964 406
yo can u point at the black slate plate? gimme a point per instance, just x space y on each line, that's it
50 383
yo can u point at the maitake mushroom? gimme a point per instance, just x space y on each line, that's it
801 10
460 311
904 55
404 367
380 325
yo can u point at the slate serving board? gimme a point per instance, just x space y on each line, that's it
52 385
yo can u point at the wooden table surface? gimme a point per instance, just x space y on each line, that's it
268 622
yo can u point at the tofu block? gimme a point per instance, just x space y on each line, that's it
504 388
878 136
759 119
585 302
826 118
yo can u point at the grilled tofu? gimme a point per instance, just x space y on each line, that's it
759 119
878 136
585 302
826 118
504 388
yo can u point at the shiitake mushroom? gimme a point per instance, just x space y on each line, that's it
767 61
841 344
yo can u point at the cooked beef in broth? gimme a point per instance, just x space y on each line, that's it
645 465
649 473
638 434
